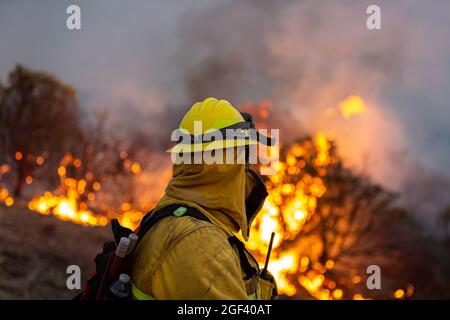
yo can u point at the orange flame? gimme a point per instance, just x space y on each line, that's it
5 197
293 213
286 210
351 105
66 202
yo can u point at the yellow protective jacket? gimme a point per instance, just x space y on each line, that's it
187 258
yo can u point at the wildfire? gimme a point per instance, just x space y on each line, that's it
293 198
66 202
294 192
66 208
5 197
351 105
287 218
347 108
71 199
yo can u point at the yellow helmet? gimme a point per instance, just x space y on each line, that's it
213 113
205 121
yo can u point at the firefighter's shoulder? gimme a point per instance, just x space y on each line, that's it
168 233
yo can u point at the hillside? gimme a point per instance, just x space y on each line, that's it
35 251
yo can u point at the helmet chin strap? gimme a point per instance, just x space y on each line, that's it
248 118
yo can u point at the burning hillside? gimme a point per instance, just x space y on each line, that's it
330 222
362 179
311 231
297 209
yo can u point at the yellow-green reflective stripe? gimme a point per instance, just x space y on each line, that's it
139 295
252 296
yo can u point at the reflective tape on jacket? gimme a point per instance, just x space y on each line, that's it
138 294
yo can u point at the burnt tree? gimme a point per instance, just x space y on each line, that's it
38 123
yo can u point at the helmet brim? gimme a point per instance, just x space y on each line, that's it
209 146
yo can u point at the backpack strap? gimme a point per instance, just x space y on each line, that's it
249 270
174 209
182 210
102 260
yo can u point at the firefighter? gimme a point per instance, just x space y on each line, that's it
188 258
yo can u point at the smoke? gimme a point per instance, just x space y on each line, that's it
290 52
425 192
120 61
307 56
146 61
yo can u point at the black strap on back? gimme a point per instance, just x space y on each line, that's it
154 216
249 270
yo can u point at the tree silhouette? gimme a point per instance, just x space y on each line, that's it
111 162
444 219
38 117
345 227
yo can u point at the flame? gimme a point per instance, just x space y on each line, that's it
5 197
300 206
351 105
404 293
70 200
399 293
66 207
18 156
290 204
288 207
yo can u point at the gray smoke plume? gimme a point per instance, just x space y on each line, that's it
147 61
307 56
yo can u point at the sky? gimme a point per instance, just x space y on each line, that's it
140 58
